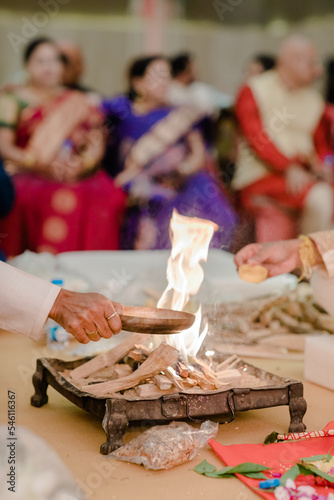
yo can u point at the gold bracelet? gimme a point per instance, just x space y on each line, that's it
308 256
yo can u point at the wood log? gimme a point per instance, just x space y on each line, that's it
182 369
294 341
227 377
259 351
171 374
294 325
201 380
162 382
137 355
224 365
108 358
122 370
152 391
160 359
179 382
207 371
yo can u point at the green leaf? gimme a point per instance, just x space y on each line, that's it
314 458
329 456
271 438
218 476
247 467
255 475
225 470
204 468
290 474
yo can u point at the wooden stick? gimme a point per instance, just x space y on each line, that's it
174 378
227 363
123 370
201 380
108 358
152 391
162 382
137 355
182 369
179 382
259 351
164 356
228 376
207 371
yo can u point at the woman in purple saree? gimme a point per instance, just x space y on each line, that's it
157 154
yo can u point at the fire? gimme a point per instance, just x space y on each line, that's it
190 237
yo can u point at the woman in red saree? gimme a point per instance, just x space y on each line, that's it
52 141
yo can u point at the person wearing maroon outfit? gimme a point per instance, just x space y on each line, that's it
284 165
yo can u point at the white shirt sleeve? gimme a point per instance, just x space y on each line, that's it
25 301
323 289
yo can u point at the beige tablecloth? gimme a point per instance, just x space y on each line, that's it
77 435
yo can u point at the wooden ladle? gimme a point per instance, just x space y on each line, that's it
155 321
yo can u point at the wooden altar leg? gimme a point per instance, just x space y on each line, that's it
297 408
40 397
114 425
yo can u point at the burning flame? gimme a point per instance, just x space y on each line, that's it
190 237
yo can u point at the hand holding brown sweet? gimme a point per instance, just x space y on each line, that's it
253 274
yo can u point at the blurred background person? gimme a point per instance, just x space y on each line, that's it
258 64
329 96
312 254
282 176
53 140
158 155
74 66
185 89
6 201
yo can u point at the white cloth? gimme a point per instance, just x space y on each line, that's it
323 289
200 95
25 301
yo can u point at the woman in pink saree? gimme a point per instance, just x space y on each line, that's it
52 140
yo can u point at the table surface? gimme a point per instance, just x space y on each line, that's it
76 435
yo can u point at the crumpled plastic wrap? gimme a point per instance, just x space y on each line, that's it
163 447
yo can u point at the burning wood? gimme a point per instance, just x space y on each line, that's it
108 358
157 361
160 373
139 354
148 391
173 365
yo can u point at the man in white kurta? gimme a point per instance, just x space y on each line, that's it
26 302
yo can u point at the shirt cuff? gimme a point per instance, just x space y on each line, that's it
324 241
38 326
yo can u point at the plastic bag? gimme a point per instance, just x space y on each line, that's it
163 447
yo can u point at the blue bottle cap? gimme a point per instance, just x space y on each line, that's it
58 282
270 483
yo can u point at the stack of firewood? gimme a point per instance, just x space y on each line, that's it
130 366
275 327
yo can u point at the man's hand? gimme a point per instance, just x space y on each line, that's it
279 257
297 179
85 315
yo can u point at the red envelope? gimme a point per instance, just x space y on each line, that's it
278 456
